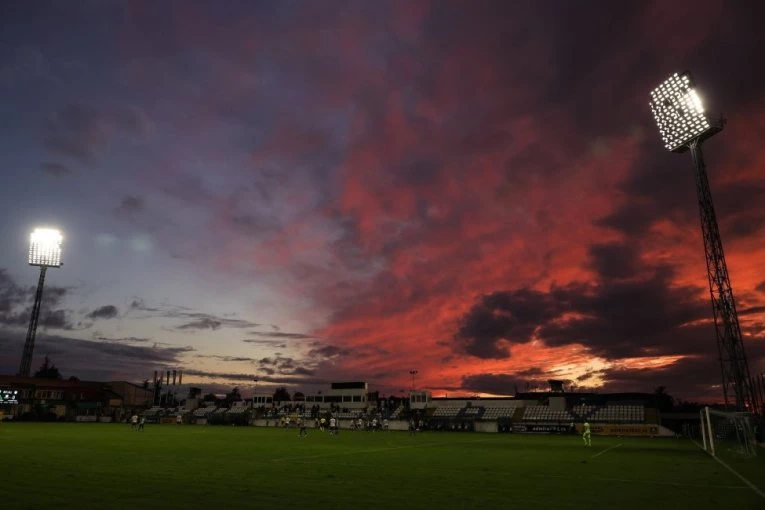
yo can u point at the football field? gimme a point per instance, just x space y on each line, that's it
105 466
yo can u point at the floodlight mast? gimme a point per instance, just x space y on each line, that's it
684 125
44 251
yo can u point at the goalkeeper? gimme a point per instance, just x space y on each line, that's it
586 436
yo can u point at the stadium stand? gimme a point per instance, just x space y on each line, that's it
472 412
583 412
397 412
619 414
203 412
348 416
493 413
447 412
544 413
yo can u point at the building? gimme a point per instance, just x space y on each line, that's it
133 395
72 399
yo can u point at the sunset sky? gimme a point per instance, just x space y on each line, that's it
309 191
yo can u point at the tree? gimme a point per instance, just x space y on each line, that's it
298 396
664 401
194 392
73 379
233 396
146 384
281 395
48 370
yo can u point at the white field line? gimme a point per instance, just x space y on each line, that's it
649 482
741 477
371 450
607 450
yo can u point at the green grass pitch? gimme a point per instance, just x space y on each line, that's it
108 466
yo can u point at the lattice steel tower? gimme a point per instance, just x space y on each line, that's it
684 126
45 252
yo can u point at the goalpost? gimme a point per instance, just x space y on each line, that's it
723 432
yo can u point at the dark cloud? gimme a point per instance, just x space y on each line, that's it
282 365
281 334
615 317
752 310
530 372
77 131
289 380
11 294
130 120
97 360
57 319
82 132
139 304
691 377
329 351
228 358
586 376
16 305
631 218
739 208
194 320
760 287
104 312
130 207
204 323
615 260
277 344
123 340
57 169
501 318
662 187
188 188
635 318
659 186
494 384
208 321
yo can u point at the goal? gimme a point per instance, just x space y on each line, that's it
726 433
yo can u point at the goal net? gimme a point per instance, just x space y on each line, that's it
725 434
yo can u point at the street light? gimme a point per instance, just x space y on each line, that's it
684 125
45 252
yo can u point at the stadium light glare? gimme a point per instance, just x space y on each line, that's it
45 247
679 112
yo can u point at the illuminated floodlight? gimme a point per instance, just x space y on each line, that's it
679 112
45 247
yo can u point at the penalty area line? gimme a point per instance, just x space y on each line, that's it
740 476
606 450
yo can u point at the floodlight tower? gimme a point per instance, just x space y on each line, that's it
413 373
684 125
44 251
